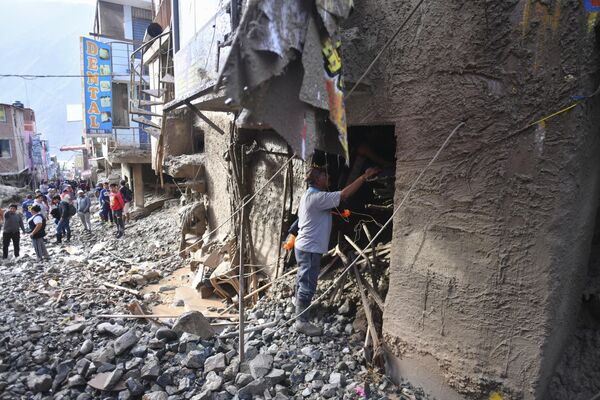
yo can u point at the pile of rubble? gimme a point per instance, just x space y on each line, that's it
56 340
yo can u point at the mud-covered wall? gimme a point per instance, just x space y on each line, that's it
216 170
265 215
490 254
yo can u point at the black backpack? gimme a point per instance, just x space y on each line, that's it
72 210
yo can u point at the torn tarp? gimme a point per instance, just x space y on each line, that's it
265 75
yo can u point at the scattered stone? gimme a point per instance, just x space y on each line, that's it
125 342
194 359
195 323
156 396
215 363
86 347
39 383
260 365
166 334
113 329
213 382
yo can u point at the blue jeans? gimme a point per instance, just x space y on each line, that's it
63 227
309 265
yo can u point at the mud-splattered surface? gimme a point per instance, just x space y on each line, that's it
490 254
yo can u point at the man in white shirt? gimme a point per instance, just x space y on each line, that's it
314 229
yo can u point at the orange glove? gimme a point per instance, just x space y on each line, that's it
344 214
289 244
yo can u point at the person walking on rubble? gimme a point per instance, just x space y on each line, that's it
83 210
127 196
65 211
37 225
314 224
105 211
12 223
116 205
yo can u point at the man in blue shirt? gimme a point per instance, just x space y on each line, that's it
27 204
314 229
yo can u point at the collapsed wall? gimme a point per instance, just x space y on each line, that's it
490 253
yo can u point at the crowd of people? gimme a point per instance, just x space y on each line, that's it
62 201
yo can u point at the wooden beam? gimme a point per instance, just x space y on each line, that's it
204 117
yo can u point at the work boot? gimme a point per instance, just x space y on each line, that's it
69 237
58 238
302 325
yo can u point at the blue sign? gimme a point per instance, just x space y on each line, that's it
592 5
97 87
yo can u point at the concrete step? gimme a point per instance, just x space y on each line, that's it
154 92
146 122
143 103
168 78
140 111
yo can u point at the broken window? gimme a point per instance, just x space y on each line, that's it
5 149
111 19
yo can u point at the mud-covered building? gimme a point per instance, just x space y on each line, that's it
492 108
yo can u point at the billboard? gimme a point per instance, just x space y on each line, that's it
97 87
592 5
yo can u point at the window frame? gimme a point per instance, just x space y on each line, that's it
9 149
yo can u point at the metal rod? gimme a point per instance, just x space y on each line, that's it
241 281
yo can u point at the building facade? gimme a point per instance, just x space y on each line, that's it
493 277
120 26
23 153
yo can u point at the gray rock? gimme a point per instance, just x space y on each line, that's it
86 347
113 378
204 395
242 379
275 376
74 328
337 379
151 369
76 380
215 363
82 366
195 323
260 365
135 387
194 359
113 329
39 383
306 392
213 382
232 369
328 391
125 342
166 334
156 396
312 375
254 388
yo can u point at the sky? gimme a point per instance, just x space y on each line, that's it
42 37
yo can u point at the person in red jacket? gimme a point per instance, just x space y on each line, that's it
116 205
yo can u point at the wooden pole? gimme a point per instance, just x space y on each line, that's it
281 234
242 283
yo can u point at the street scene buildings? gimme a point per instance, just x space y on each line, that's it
329 199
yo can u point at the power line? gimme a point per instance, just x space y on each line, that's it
26 76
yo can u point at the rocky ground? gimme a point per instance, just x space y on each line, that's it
55 345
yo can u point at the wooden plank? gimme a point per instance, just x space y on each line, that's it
367 308
364 256
124 289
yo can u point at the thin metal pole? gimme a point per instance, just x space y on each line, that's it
241 281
